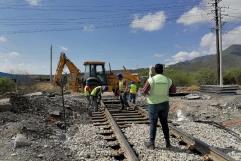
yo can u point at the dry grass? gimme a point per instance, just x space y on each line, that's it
37 87
46 86
188 89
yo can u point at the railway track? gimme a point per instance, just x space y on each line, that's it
113 121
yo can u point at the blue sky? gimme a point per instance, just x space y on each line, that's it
133 33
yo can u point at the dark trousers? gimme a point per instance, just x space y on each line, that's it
123 99
133 98
95 100
88 102
159 111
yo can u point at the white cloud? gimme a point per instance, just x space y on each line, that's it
9 55
13 54
88 28
183 56
158 55
3 39
149 22
33 2
195 15
64 49
202 12
208 41
11 63
208 46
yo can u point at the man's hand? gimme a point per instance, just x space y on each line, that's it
150 71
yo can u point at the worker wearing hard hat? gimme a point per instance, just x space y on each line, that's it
133 92
123 91
157 90
96 94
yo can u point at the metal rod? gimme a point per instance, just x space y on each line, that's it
217 39
220 49
62 94
51 59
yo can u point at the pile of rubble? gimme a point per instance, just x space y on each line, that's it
235 103
34 127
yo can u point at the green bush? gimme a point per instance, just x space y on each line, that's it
180 78
143 72
6 85
206 76
201 77
232 76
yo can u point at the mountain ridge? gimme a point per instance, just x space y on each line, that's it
231 59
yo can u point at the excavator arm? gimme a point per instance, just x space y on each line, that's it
129 76
74 73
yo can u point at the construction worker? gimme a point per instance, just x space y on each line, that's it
87 91
157 91
96 94
123 91
133 92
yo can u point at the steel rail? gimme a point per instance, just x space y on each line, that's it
125 146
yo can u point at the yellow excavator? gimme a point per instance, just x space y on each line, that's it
95 74
74 73
130 76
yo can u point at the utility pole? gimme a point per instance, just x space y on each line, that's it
220 48
217 38
51 57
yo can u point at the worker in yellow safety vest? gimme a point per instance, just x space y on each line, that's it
96 96
133 92
123 91
87 91
157 89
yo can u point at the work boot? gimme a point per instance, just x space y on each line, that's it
150 145
89 113
122 108
169 146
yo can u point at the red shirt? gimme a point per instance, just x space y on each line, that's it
145 90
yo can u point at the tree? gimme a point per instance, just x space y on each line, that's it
6 85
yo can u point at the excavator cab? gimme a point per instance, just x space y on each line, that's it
95 73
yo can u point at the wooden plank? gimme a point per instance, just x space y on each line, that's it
131 119
126 114
132 122
130 116
100 124
99 120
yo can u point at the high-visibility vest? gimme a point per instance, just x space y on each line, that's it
96 91
122 85
87 91
159 91
133 89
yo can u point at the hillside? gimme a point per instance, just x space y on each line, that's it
4 74
231 59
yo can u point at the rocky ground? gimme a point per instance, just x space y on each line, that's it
33 128
208 108
215 137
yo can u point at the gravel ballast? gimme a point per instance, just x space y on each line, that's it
89 146
137 135
215 137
